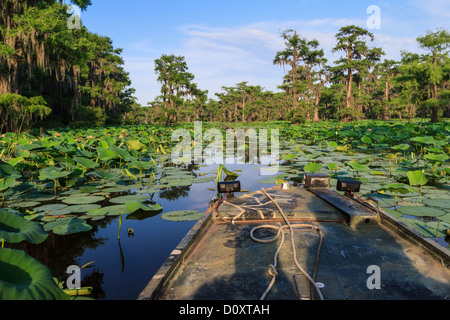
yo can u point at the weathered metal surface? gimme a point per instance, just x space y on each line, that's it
360 215
219 260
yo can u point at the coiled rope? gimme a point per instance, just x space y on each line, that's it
273 267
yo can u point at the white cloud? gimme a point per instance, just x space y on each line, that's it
439 8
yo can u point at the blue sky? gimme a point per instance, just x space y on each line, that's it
227 42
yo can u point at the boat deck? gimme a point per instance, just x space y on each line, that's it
218 259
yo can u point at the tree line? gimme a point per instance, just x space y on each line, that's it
48 68
359 85
71 76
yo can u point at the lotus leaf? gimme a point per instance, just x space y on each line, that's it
86 162
182 215
312 167
132 197
116 210
416 178
50 207
15 229
419 226
440 203
7 183
78 208
8 171
52 173
82 199
402 146
106 155
358 167
136 145
441 157
396 187
332 166
421 211
24 278
439 226
97 212
88 189
133 206
71 226
425 139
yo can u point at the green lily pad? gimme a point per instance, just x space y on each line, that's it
97 212
72 226
182 215
50 207
419 226
52 173
133 206
85 162
440 203
15 229
77 208
416 178
312 167
116 210
394 213
88 189
25 204
132 197
82 199
25 278
421 211
439 226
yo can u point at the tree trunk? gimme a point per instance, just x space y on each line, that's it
349 88
316 110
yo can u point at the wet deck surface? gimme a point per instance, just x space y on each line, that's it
228 264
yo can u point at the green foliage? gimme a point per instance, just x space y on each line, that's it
79 73
17 111
25 278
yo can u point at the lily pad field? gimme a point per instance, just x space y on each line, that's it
111 201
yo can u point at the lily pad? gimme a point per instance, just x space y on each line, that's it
133 206
25 278
15 229
440 203
26 204
421 211
312 167
72 226
419 226
182 215
97 212
393 213
86 162
132 197
82 199
77 208
116 210
50 207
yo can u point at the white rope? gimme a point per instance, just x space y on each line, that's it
272 267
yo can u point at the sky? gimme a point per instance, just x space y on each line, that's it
225 42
